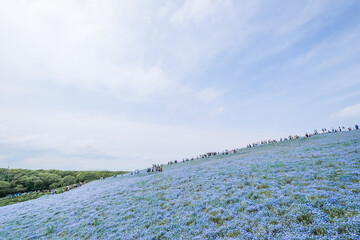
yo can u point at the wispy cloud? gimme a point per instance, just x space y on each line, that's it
348 112
197 11
127 80
64 137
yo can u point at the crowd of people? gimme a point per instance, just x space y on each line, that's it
262 142
51 191
324 130
155 168
158 167
137 171
25 193
205 155
340 129
68 188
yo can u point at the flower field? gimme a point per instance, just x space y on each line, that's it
307 188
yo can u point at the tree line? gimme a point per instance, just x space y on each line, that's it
25 180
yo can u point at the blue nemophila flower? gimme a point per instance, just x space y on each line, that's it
289 190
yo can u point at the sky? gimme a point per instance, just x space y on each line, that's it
120 85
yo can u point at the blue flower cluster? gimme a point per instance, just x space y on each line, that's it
305 188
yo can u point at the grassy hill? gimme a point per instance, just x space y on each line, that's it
300 189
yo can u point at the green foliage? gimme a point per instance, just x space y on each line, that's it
33 182
66 173
49 178
86 176
22 198
54 185
319 230
19 188
5 187
68 180
305 218
25 180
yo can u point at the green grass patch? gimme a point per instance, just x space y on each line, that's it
305 218
22 198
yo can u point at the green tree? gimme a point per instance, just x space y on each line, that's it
86 176
18 177
67 173
68 180
5 188
38 183
19 188
22 180
55 185
2 173
32 183
50 178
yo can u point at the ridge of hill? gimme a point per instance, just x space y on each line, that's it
300 189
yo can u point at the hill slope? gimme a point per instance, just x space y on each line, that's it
295 189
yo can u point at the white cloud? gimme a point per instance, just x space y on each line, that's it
63 138
88 45
173 61
348 112
342 97
52 161
113 47
305 11
197 10
208 94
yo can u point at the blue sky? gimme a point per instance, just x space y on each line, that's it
123 85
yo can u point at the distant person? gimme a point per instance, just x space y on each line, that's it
356 127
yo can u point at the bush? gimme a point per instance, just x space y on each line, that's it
32 183
4 188
50 178
19 188
24 180
55 185
68 180
86 176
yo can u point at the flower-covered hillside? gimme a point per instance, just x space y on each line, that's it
298 189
